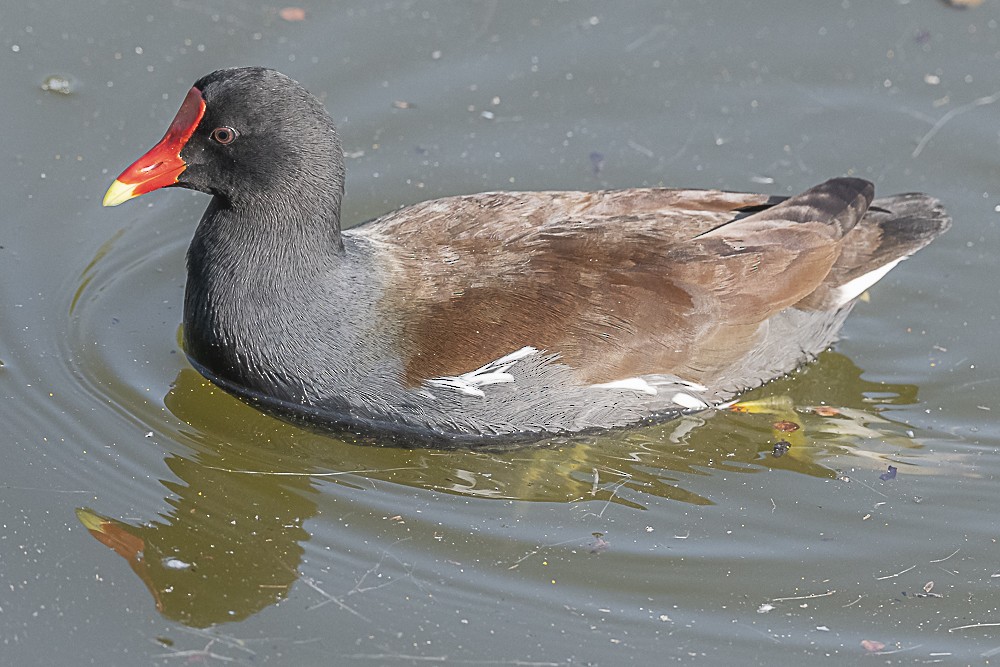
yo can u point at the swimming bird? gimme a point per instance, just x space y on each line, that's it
499 316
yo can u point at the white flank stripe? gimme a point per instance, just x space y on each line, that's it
689 401
494 372
852 289
631 384
690 385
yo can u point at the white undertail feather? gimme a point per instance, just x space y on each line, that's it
852 289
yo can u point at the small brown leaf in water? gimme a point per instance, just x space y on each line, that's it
871 645
292 14
786 426
928 587
826 411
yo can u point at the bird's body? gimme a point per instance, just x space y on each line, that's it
497 316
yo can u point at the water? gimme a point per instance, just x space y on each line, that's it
151 519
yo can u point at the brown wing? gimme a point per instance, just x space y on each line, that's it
620 284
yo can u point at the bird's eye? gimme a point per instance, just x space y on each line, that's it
224 135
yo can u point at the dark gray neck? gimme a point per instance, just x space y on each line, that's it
274 302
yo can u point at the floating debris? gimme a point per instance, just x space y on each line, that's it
780 448
57 83
888 474
872 646
786 426
292 14
176 564
928 587
773 405
599 544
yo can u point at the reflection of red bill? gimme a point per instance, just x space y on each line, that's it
162 164
114 535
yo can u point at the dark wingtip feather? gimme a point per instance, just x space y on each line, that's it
839 202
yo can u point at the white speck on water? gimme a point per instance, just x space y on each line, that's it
176 564
57 84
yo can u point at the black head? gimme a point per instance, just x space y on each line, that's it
250 136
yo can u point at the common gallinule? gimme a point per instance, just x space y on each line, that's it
497 316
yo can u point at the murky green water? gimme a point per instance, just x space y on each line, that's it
148 518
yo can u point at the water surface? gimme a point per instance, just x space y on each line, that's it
148 518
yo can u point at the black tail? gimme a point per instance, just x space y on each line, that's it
891 230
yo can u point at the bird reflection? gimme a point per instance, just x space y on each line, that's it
232 542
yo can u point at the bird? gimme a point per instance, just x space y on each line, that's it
498 317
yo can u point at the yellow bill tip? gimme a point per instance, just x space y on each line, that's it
119 192
89 519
